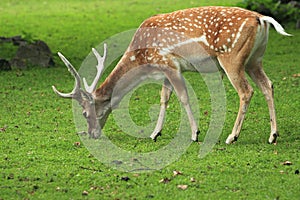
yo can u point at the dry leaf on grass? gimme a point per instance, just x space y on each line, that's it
182 187
165 180
77 144
296 75
287 163
3 129
175 173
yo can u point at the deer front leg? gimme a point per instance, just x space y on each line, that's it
178 84
164 99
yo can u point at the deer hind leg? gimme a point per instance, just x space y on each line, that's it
245 92
164 99
179 86
265 85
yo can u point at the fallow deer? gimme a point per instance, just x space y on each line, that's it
234 38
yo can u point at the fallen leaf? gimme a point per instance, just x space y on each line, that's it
3 129
175 173
85 193
193 179
77 144
93 187
165 180
182 187
287 163
296 75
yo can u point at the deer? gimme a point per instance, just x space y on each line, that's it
235 38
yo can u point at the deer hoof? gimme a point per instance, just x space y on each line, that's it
273 138
195 136
154 137
231 139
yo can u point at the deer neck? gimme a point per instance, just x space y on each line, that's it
116 85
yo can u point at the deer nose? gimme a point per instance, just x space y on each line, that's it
84 113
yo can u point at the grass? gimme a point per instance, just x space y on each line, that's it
40 154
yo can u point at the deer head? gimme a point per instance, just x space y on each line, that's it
86 97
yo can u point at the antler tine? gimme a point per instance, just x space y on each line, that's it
73 71
99 66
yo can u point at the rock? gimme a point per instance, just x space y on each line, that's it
28 54
33 54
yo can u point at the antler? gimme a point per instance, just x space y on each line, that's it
100 67
73 71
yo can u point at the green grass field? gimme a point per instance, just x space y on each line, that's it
41 157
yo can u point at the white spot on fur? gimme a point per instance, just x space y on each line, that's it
132 58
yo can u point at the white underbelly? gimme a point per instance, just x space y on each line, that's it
202 65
